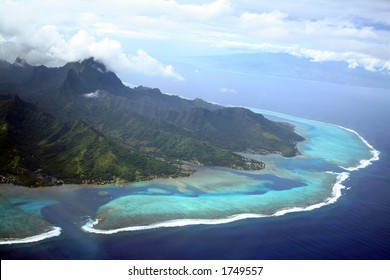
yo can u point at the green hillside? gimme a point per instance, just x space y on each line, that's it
90 127
37 149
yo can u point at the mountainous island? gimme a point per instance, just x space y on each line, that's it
80 124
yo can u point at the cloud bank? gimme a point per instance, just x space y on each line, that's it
47 46
353 59
123 34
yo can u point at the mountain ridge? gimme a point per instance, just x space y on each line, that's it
146 121
38 149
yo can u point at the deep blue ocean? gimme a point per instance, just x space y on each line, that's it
357 226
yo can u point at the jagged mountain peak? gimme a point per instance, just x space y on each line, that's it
90 75
88 65
94 64
20 62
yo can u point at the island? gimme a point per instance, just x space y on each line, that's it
79 124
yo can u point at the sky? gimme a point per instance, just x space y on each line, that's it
148 37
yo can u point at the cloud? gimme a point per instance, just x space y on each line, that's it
262 19
354 31
227 90
353 59
331 33
370 11
47 46
144 63
170 8
94 94
204 11
321 34
105 28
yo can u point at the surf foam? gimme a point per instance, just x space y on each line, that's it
56 231
364 162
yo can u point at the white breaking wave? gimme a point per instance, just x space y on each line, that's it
364 162
56 231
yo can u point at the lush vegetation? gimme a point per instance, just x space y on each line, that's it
37 149
91 128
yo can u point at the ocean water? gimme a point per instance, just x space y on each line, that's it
230 214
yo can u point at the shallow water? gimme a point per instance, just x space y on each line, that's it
217 195
211 196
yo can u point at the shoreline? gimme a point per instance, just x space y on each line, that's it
56 231
336 194
364 162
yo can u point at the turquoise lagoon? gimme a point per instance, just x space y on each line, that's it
20 216
214 195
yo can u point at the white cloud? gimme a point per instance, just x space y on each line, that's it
94 94
204 11
144 63
47 46
376 11
227 90
354 31
106 28
262 19
331 33
170 8
353 59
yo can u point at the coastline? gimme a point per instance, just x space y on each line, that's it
56 231
363 163
336 192
335 195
